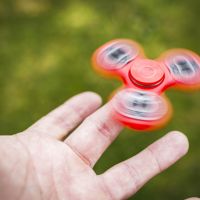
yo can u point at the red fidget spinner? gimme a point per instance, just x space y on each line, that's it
140 103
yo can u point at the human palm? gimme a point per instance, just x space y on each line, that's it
46 162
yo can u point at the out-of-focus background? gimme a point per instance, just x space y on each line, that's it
45 50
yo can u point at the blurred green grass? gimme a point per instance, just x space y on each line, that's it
45 53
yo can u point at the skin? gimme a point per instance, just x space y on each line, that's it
193 198
45 162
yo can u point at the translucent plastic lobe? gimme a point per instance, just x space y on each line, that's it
140 109
184 66
115 54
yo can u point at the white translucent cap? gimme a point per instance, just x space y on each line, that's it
140 105
116 55
184 68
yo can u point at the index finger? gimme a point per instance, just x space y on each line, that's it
94 135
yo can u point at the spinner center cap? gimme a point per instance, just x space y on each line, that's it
146 73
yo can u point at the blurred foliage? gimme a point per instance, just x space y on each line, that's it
45 53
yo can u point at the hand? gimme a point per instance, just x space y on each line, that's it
42 163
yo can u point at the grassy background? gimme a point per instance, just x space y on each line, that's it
45 50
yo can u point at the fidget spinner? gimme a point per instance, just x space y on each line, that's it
140 103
